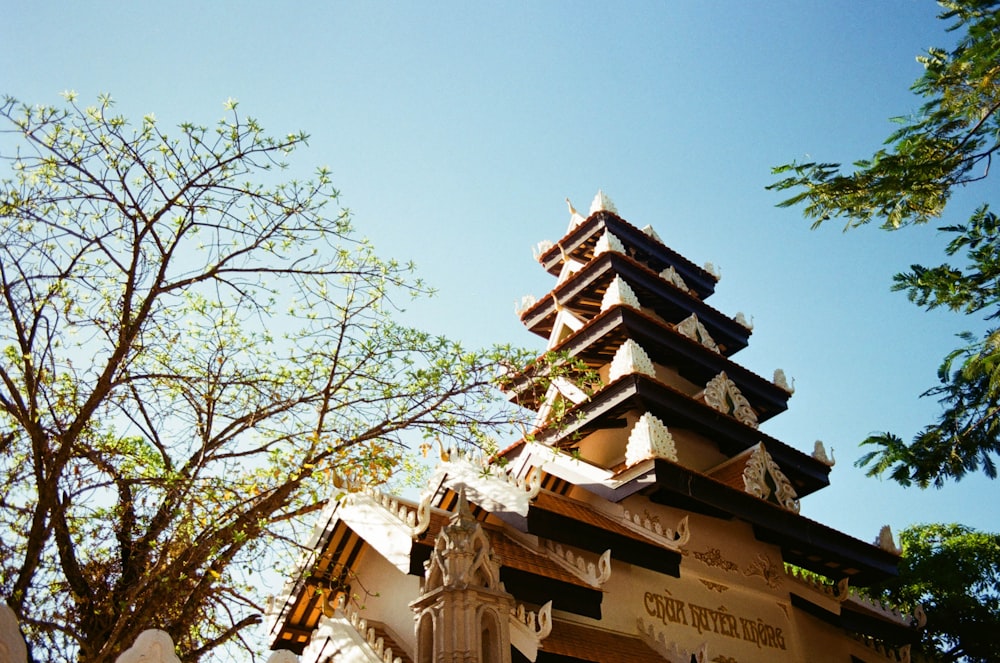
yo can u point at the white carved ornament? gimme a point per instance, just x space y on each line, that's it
649 439
671 651
652 233
575 218
674 538
741 319
595 574
541 248
462 555
819 453
886 542
759 468
692 328
415 518
151 646
723 394
540 623
608 242
834 592
630 358
602 203
489 483
528 629
671 276
781 381
885 650
570 267
367 634
527 301
619 292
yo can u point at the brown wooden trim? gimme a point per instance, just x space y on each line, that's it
579 243
674 408
569 531
894 634
582 294
805 543
597 342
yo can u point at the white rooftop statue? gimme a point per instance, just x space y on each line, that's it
575 218
819 453
602 203
283 656
12 647
152 646
886 542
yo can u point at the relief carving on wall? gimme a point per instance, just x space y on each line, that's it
763 566
714 586
713 557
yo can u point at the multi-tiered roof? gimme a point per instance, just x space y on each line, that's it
645 517
675 418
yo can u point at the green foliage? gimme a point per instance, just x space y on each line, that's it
969 290
191 349
949 143
953 572
966 437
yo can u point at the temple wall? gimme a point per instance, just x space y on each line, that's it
732 593
391 592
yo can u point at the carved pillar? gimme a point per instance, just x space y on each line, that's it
463 609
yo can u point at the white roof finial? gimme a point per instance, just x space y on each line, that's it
602 203
575 218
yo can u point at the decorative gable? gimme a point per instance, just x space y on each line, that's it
692 328
619 292
723 394
671 276
649 439
608 242
763 478
630 358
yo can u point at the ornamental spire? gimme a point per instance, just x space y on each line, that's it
602 203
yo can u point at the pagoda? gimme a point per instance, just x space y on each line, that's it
645 516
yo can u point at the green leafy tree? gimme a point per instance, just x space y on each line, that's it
191 349
953 573
949 143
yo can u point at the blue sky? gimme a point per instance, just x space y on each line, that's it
455 131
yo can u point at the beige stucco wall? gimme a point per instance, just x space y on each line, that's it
391 592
